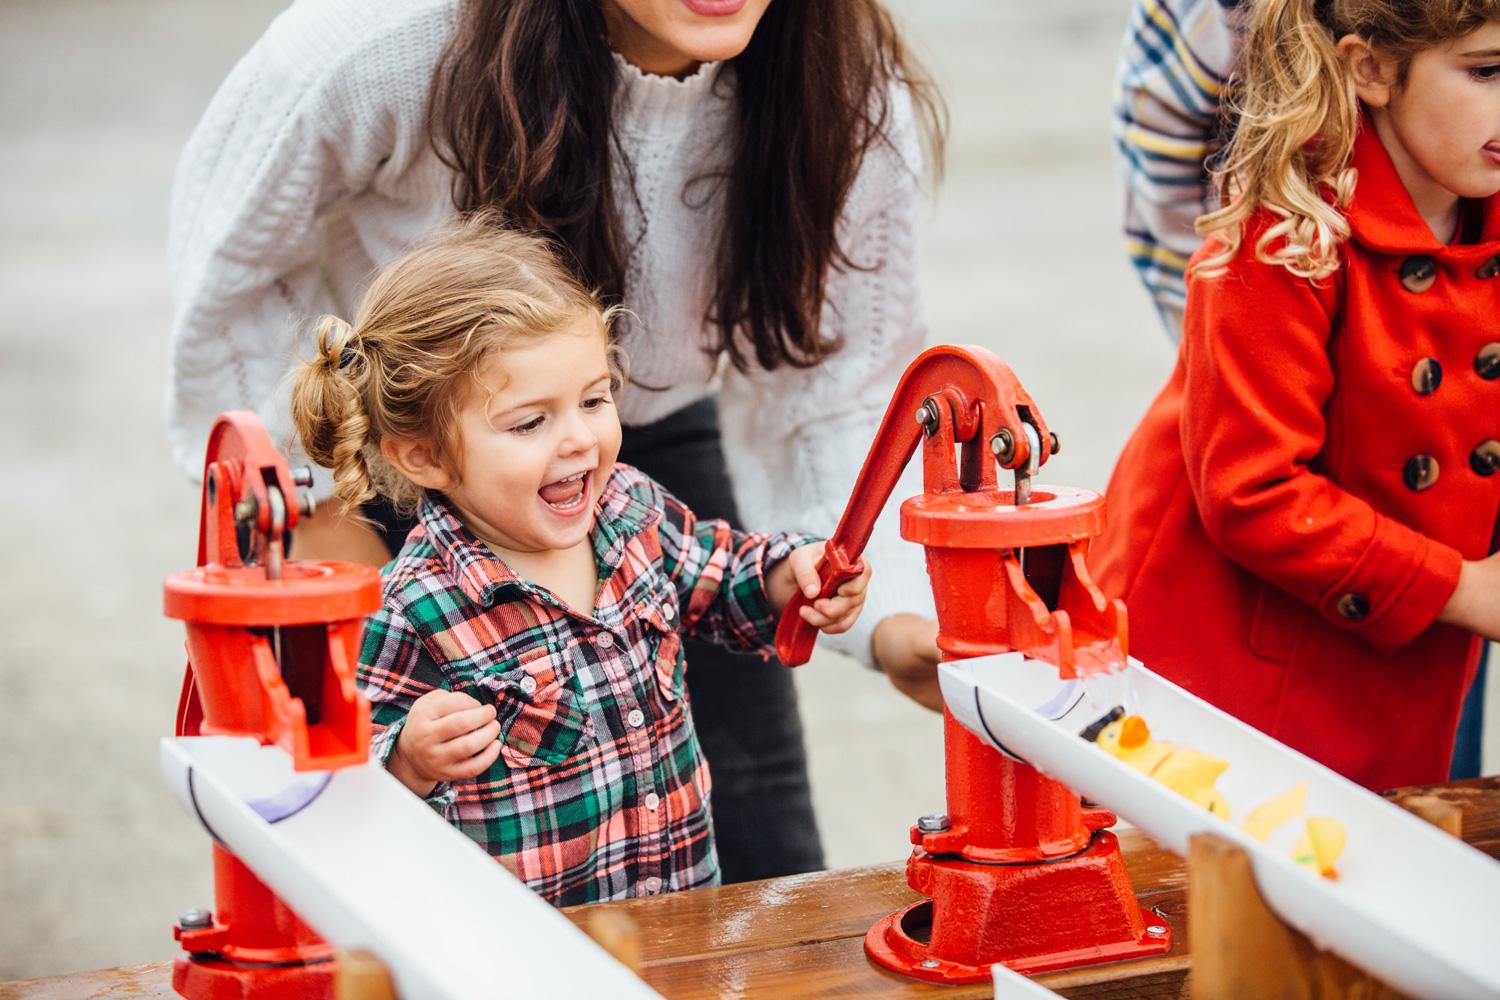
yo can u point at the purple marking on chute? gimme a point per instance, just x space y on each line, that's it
290 800
1062 703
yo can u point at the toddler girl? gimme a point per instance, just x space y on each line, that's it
1303 525
526 671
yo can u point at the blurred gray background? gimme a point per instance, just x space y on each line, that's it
1022 254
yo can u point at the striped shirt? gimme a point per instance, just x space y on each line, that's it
600 790
1173 78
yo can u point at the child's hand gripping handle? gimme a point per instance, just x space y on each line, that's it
795 637
959 395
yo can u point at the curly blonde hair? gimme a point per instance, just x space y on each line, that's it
1298 115
425 327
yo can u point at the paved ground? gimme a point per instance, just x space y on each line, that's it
96 98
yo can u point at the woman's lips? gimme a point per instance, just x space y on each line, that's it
714 8
1492 150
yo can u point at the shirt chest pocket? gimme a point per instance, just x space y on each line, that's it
540 705
664 647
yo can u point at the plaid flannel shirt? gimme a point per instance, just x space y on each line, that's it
600 790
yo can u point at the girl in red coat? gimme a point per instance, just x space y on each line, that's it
1304 524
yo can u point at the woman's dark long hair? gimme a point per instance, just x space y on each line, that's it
522 111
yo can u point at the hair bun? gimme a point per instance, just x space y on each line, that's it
338 343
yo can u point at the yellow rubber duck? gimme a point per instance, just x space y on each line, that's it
1187 772
1323 837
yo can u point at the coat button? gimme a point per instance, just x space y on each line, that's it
1487 361
1418 273
1485 459
1421 472
1489 269
1354 606
1426 376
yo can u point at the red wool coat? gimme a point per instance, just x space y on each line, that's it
1290 517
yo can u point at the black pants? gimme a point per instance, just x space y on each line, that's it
745 708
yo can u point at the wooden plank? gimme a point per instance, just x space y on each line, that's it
762 916
805 934
128 982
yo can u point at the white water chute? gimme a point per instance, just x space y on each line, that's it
1412 905
370 866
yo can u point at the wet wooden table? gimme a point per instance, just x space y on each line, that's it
803 936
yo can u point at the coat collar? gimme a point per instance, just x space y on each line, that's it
1382 215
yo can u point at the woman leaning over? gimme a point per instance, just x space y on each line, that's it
743 176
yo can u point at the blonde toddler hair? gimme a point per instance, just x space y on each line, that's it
1298 117
424 328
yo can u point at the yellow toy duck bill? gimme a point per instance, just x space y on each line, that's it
1187 772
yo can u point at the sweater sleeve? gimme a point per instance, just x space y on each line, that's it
795 438
1172 76
330 99
1259 376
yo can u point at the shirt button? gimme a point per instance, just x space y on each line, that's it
528 684
652 801
1420 472
668 612
1418 273
1426 376
653 885
1354 606
604 640
635 718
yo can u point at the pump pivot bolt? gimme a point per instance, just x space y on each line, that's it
246 510
195 920
928 416
931 963
934 823
1156 930
302 475
1003 445
1054 445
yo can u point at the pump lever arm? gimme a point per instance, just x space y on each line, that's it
960 394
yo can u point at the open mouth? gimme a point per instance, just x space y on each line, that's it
568 495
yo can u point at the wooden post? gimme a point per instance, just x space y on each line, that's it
1242 949
1446 816
362 976
617 934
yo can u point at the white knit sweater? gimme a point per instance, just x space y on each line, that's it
312 168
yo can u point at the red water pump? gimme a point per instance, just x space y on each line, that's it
272 649
1019 871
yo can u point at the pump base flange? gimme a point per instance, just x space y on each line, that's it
888 944
1072 911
